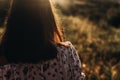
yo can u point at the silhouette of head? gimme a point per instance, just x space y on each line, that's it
31 33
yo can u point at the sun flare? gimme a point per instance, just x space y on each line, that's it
61 2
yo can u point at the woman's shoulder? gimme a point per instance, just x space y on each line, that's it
66 46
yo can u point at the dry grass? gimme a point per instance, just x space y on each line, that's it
97 41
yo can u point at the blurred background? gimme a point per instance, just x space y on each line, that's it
93 26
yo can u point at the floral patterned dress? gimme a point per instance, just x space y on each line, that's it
66 66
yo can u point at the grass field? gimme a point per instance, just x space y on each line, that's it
93 26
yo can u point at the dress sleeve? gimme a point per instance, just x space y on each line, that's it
75 64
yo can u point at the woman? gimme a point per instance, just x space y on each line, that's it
32 46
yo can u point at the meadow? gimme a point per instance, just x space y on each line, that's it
93 26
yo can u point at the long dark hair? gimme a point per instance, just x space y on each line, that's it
31 32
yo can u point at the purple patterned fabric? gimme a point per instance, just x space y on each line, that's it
66 66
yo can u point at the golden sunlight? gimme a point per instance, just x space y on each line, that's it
62 3
59 1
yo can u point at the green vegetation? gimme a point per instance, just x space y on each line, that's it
4 6
93 27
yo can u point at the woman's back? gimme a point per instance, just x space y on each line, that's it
31 45
66 66
31 32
